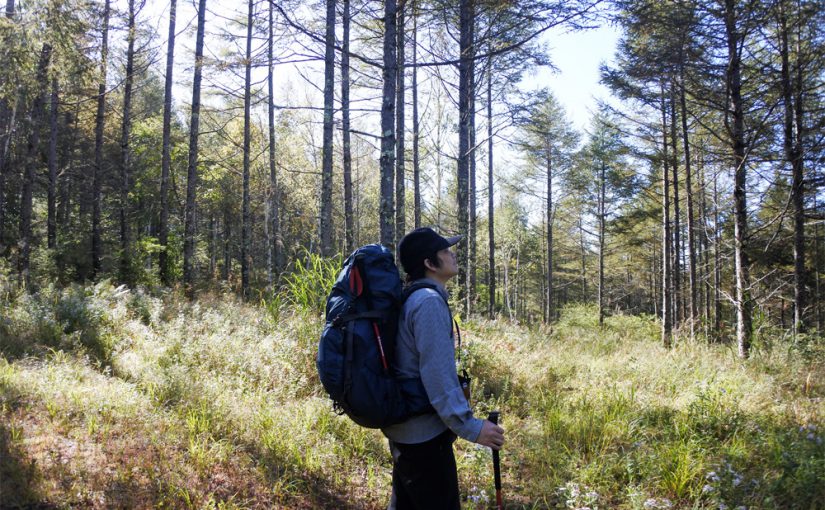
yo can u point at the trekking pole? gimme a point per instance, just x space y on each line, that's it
493 417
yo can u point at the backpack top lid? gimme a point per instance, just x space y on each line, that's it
369 279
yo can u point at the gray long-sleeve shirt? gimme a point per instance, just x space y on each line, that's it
424 348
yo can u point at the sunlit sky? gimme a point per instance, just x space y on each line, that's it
577 56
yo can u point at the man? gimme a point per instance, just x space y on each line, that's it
424 471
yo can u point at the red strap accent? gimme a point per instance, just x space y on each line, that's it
380 346
356 284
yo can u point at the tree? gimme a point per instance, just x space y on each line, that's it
192 167
735 125
549 142
166 157
465 89
246 219
345 128
97 175
603 176
276 258
416 125
387 161
400 174
32 162
326 170
126 162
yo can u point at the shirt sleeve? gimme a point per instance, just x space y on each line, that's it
432 326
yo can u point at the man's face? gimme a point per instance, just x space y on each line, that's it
448 267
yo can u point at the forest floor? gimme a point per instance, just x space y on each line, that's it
111 398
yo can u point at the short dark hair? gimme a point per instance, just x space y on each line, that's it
420 271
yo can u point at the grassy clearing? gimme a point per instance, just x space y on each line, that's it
117 398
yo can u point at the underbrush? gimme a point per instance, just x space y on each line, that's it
130 398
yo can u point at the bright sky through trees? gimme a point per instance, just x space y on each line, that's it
576 55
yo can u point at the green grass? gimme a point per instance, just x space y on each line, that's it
111 397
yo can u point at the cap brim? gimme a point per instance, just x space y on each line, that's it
452 241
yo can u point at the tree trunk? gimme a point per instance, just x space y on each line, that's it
213 245
464 125
602 185
166 157
6 145
227 242
32 162
693 310
793 154
550 311
583 251
471 191
345 125
717 262
326 164
7 128
97 175
416 159
736 131
246 229
192 166
126 162
667 276
387 162
491 260
817 262
52 194
400 174
705 244
275 192
678 300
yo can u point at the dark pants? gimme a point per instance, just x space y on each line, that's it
424 475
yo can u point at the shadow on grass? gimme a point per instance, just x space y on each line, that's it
17 475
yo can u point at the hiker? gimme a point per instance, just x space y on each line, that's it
424 471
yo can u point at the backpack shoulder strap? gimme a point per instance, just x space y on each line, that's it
410 289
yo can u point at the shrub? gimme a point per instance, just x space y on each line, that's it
311 280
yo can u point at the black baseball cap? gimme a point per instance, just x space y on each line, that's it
422 243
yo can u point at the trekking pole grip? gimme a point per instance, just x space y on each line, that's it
493 417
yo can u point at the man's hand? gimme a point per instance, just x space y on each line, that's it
491 435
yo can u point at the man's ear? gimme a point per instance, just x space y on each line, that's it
429 265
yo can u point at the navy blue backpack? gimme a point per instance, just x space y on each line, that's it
357 347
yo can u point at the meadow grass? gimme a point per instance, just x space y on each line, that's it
111 397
